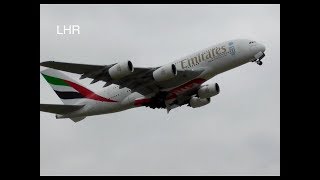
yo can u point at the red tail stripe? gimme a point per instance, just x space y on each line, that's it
87 93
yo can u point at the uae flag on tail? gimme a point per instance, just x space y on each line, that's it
68 89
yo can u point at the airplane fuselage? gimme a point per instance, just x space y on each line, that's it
212 61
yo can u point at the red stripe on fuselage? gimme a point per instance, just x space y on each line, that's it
87 93
184 88
174 92
140 102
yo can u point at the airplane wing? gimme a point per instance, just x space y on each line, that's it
141 80
73 68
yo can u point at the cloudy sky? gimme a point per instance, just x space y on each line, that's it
238 133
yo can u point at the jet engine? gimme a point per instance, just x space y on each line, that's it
121 70
165 73
209 90
196 102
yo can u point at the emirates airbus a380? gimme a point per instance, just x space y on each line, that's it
168 86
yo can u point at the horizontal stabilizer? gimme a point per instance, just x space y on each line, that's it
59 109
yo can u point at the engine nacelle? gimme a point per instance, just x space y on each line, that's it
165 73
209 90
196 102
121 70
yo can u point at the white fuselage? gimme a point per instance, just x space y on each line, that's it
213 60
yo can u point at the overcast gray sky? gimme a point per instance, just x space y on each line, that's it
238 133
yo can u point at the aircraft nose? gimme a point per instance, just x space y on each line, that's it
257 47
261 47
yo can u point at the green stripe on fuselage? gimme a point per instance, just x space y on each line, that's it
55 81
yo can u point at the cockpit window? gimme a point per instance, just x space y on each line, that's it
251 42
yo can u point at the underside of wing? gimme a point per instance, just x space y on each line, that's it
139 80
72 67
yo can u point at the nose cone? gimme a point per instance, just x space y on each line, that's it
257 47
261 47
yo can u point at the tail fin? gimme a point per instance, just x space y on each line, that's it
66 88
